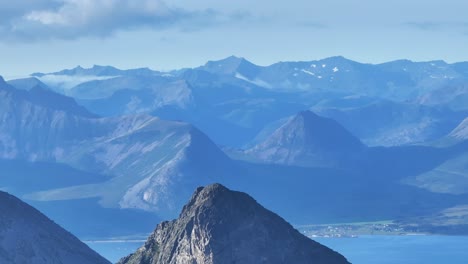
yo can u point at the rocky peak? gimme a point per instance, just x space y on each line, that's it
220 226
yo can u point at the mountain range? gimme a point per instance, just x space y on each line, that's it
234 94
356 141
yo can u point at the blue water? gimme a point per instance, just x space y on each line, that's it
361 250
115 250
401 249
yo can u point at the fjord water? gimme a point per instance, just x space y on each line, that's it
360 250
114 250
417 249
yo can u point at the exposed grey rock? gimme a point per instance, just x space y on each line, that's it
29 237
222 226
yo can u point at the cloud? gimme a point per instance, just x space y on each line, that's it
67 82
70 19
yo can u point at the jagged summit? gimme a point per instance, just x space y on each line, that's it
219 226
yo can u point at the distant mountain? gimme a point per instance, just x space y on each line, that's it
309 140
397 80
234 94
217 104
449 177
27 83
221 226
387 123
27 236
127 95
98 89
239 67
152 164
454 96
98 70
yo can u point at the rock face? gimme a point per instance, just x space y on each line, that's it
27 236
222 226
308 140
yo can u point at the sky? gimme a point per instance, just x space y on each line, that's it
50 35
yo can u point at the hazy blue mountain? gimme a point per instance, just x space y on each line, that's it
218 225
65 80
387 123
27 236
98 89
144 162
27 83
397 80
234 94
339 195
232 66
217 104
308 140
98 70
452 96
451 176
152 164
145 99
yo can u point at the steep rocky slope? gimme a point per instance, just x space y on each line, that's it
222 226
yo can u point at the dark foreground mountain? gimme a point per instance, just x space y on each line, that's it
27 236
223 226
